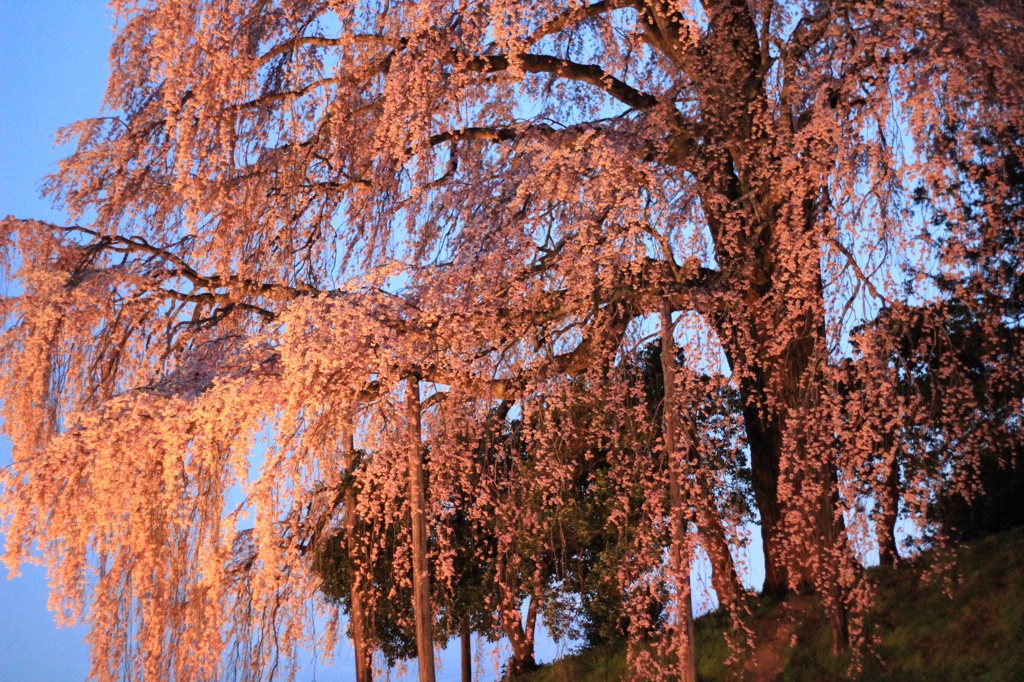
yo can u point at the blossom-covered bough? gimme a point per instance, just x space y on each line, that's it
342 269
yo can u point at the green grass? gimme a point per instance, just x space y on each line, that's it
923 634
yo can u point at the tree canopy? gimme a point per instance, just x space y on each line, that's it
380 279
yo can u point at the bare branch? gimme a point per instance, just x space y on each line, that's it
564 68
857 270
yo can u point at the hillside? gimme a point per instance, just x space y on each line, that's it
968 626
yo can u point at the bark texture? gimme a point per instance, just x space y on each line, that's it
685 634
417 515
467 650
364 657
889 499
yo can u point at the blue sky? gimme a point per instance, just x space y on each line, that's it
53 68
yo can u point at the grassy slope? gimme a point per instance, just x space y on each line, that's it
924 635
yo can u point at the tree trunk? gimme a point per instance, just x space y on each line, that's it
417 515
686 637
803 385
467 650
829 526
764 437
889 500
763 428
773 390
724 579
520 637
364 667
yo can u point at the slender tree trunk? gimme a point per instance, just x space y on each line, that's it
889 499
712 533
417 514
723 569
686 636
530 630
829 526
467 650
364 667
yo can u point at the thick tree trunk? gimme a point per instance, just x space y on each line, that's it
795 390
745 344
417 515
364 666
764 437
685 634
467 650
803 383
837 620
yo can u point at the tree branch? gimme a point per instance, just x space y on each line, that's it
570 70
136 244
578 14
321 41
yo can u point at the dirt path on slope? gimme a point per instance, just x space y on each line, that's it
773 636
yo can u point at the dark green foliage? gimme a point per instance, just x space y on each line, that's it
925 636
391 618
574 565
590 551
954 335
939 350
978 635
392 611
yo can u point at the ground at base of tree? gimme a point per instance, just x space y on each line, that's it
964 624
